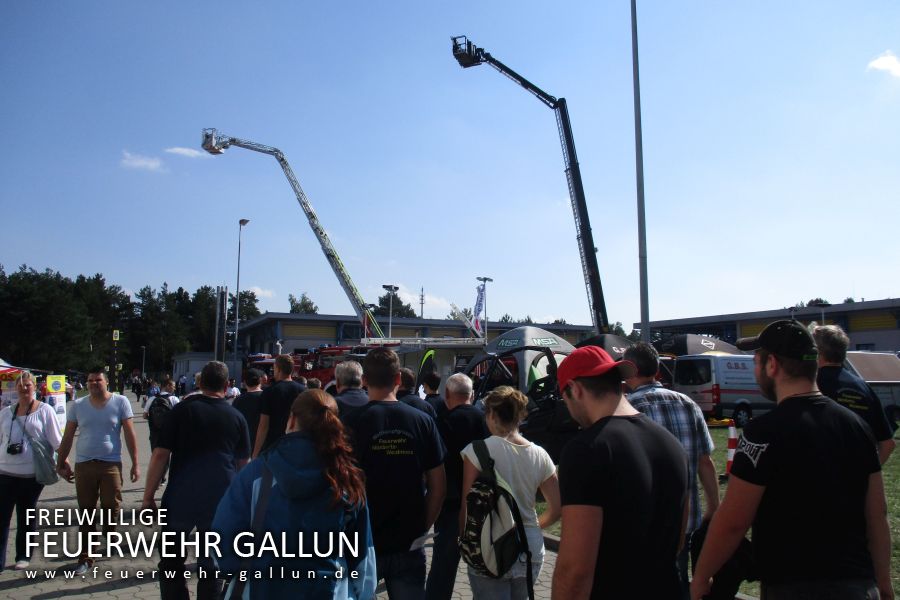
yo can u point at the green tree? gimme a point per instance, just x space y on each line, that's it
849 300
526 320
203 319
817 302
304 305
44 324
506 318
400 308
465 311
617 329
249 306
559 321
635 335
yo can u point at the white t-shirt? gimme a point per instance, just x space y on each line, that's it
523 468
42 423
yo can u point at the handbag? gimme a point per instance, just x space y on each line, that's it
237 589
44 460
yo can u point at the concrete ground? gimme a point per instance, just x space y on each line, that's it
15 585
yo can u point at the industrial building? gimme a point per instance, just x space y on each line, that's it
300 331
872 325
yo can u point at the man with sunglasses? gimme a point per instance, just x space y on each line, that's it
807 477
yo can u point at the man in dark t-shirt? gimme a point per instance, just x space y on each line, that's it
208 443
248 403
399 449
407 393
431 383
348 381
849 390
623 485
275 404
459 424
809 462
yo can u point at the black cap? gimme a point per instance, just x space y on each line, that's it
789 339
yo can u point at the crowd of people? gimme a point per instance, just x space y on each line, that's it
385 467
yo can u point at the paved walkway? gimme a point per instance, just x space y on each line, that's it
122 581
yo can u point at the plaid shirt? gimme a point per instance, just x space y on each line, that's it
684 419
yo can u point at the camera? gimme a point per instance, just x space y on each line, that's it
14 448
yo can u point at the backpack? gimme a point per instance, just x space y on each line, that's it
493 538
158 412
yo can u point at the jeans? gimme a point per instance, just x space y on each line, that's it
97 479
444 557
514 585
176 588
20 493
403 574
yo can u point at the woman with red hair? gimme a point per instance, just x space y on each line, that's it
307 496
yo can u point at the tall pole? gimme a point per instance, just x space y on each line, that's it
639 160
484 282
391 289
143 360
237 297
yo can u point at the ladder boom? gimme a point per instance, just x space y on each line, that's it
216 144
470 55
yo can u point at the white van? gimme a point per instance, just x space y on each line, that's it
722 384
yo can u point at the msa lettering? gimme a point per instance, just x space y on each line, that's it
750 450
544 342
509 343
736 366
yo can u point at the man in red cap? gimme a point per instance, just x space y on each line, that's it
623 482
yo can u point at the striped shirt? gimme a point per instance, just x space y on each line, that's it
684 419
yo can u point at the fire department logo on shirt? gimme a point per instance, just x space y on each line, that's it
750 450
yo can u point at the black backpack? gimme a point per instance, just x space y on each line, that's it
158 412
494 535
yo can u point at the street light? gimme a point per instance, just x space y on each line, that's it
822 306
392 289
237 297
484 282
143 360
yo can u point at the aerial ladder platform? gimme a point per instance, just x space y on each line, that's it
216 143
468 55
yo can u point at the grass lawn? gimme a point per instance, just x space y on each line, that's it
891 486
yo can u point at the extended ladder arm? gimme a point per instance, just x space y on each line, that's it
215 143
470 55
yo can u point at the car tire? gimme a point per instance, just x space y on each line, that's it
741 416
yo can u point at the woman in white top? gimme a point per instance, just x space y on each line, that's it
526 467
26 419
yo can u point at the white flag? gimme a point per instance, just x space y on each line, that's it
479 306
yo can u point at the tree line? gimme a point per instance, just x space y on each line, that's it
49 321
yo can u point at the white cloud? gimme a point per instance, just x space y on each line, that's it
188 152
136 161
886 62
262 293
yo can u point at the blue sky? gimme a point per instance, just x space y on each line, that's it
771 137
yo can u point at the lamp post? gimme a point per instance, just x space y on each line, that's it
237 294
822 306
143 360
639 172
391 289
484 282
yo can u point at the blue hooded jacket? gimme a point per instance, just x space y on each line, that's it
300 503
